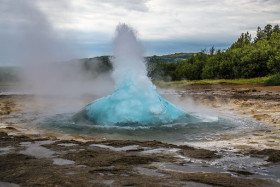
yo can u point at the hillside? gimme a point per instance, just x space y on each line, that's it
169 58
94 66
245 58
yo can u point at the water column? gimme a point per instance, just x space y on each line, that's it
135 100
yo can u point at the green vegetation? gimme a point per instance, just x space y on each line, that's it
102 64
241 63
246 58
169 58
161 66
97 65
273 80
258 80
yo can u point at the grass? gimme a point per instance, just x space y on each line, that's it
258 80
273 80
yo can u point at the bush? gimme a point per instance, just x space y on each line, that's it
273 80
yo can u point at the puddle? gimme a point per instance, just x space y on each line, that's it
35 149
159 150
275 169
239 162
7 184
60 161
67 144
126 148
231 162
5 150
81 166
71 173
257 166
197 184
150 172
189 167
104 182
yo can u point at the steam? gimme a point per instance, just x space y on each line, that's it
128 61
135 100
46 55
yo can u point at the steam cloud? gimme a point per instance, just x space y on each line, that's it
46 57
135 100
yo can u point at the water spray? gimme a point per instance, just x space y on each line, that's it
135 100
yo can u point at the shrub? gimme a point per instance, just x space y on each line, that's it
273 80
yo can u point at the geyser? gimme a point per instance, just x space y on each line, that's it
135 100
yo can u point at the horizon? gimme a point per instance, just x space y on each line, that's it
66 30
109 55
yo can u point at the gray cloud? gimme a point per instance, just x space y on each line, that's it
136 5
93 21
28 34
31 39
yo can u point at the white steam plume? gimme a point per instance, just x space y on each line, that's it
40 49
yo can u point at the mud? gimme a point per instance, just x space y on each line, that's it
93 165
29 158
273 155
261 103
7 105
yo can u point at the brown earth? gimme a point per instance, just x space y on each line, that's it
261 103
98 166
88 163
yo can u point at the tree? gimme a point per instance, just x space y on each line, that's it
273 63
260 35
244 59
244 39
276 29
212 50
268 31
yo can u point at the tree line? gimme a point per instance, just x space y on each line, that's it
245 58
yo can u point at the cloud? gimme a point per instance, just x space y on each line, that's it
93 22
177 19
28 35
136 5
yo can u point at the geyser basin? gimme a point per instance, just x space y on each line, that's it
130 105
135 100
202 129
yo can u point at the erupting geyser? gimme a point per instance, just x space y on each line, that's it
135 100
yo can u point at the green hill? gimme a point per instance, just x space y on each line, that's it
177 57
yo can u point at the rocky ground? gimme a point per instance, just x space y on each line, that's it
28 158
30 161
262 103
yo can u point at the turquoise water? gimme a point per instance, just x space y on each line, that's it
131 106
196 129
135 100
135 110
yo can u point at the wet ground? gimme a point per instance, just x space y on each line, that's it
250 102
31 161
30 157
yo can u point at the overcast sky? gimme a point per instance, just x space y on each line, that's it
86 27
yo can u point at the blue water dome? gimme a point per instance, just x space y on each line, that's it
130 105
135 100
